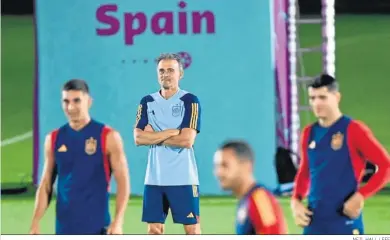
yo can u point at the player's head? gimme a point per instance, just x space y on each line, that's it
169 70
233 162
324 96
76 100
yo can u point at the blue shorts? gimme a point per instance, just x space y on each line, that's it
339 226
183 201
102 231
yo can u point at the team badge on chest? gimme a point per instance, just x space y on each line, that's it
337 141
176 110
90 146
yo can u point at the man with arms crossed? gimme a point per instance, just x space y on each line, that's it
168 121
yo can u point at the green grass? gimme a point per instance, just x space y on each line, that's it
362 52
17 74
17 45
217 216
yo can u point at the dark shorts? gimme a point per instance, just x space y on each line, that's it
183 201
78 231
339 226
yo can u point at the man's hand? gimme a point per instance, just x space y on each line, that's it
172 132
115 228
185 139
148 136
354 205
301 213
34 228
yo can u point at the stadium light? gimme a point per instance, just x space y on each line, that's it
329 33
328 58
292 46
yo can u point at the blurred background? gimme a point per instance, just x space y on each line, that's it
235 64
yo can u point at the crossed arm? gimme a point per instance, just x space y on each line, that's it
184 138
149 137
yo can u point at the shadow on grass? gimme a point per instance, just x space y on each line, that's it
17 191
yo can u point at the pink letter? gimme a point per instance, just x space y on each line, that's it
168 23
182 22
197 21
101 15
130 31
182 18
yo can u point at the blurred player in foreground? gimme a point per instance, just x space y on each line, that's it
334 151
258 211
82 154
168 121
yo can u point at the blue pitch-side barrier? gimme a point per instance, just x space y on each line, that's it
228 50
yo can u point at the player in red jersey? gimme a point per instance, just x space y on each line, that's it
82 154
258 211
334 151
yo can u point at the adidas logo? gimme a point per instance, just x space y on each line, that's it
190 215
62 148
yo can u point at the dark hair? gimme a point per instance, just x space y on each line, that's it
325 80
76 85
170 56
241 148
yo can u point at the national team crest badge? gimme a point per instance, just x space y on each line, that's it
337 141
90 146
176 110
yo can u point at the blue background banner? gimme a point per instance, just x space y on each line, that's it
228 55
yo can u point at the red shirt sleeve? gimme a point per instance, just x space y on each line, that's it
53 138
302 179
106 161
266 214
366 144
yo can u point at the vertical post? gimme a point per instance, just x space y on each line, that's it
328 35
292 47
282 71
